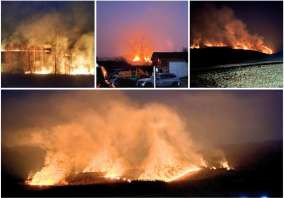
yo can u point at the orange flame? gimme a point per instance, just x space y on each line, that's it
139 49
244 46
138 59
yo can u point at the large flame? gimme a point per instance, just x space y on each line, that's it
52 173
138 59
140 49
215 27
120 140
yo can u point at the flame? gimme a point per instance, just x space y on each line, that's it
225 164
147 59
140 49
52 173
136 59
244 46
81 66
38 62
43 70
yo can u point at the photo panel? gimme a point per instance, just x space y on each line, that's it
142 44
142 143
47 44
236 44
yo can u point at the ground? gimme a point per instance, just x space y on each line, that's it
260 76
51 80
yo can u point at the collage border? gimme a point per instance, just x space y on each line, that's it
95 51
95 88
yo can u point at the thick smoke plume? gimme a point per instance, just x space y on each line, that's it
116 137
219 27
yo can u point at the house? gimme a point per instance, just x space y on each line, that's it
171 62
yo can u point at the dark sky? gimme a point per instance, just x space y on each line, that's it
14 13
162 24
264 18
213 117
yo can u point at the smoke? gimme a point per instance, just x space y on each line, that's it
117 137
66 29
219 27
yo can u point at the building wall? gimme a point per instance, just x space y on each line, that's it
179 68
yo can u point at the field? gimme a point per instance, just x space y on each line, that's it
259 76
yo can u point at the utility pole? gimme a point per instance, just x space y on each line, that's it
154 72
55 54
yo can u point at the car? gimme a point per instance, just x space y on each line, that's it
123 82
145 82
162 80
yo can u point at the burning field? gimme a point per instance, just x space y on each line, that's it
232 34
99 144
124 150
47 38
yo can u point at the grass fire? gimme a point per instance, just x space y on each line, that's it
84 139
46 38
158 149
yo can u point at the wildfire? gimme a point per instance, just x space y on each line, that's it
138 59
53 173
219 27
63 51
225 164
81 67
154 144
244 46
42 70
40 61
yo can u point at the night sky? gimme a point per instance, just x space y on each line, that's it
262 18
227 117
163 24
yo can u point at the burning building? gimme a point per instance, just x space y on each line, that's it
50 38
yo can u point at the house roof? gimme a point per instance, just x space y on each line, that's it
170 56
